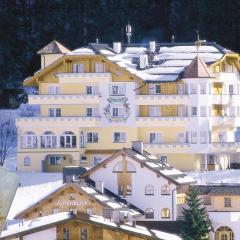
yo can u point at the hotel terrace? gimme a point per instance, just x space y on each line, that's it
180 99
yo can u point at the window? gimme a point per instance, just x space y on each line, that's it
92 112
119 137
231 89
193 88
84 234
125 189
157 89
91 90
27 161
54 160
71 196
118 168
155 138
222 136
194 137
118 112
53 90
78 68
92 137
117 89
68 140
203 137
194 111
181 137
203 88
227 202
149 190
149 213
96 160
55 210
154 111
83 158
207 200
29 140
165 190
66 234
73 210
203 111
89 211
54 112
99 67
232 111
48 140
165 213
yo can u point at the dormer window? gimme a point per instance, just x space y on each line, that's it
78 68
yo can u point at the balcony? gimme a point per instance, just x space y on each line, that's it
64 99
57 122
156 148
225 121
224 216
152 99
225 77
225 147
161 121
225 99
84 77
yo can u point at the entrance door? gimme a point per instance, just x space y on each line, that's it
224 233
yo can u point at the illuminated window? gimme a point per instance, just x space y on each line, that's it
165 213
149 213
149 190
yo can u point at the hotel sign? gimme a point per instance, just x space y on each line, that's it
9 182
72 203
117 100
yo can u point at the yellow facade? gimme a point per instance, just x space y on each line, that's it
73 102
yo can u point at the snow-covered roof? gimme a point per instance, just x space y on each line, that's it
106 200
39 224
168 61
151 162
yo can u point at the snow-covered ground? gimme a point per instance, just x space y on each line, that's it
34 186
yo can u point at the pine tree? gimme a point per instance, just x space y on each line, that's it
196 224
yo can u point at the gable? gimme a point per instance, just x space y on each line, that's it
65 198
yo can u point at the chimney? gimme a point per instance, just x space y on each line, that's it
100 186
143 63
117 47
137 146
152 46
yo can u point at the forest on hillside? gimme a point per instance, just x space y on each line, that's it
28 25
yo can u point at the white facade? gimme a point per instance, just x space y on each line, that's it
142 177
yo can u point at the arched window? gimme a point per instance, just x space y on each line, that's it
165 190
165 213
119 167
224 233
48 140
29 140
149 190
68 140
27 161
149 213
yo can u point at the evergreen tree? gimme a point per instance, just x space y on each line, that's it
196 224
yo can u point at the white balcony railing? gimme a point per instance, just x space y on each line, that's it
158 99
64 99
225 146
84 77
162 121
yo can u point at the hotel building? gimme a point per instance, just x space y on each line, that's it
180 100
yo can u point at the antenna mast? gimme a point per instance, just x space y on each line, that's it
129 33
